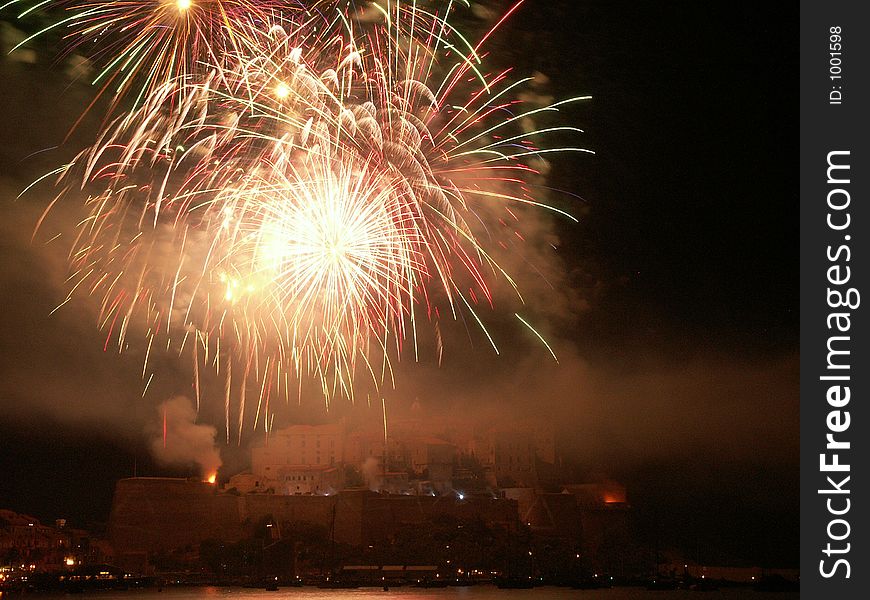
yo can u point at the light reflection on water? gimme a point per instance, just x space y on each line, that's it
481 592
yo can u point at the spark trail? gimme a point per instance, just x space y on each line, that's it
294 189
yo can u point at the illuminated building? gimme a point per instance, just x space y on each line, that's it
510 455
307 479
310 445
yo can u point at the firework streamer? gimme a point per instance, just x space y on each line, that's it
296 187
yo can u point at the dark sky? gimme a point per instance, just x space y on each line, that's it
680 345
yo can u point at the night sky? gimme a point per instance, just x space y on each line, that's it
679 335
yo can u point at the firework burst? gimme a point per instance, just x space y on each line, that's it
295 186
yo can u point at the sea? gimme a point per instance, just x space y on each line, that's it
479 592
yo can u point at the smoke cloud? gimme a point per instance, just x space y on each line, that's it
183 441
371 473
615 405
